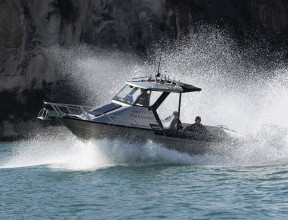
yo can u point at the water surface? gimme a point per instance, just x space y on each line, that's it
108 180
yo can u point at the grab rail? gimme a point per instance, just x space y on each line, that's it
43 114
57 106
76 109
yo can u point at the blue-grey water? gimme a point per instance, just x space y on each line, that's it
67 179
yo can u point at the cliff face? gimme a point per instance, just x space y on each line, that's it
28 26
271 15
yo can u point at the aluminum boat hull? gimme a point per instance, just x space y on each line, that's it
174 140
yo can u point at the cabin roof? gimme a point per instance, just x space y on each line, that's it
162 83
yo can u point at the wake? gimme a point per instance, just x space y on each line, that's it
101 154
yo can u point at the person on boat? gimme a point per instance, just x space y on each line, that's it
176 123
197 127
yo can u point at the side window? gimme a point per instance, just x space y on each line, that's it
134 94
148 98
169 105
154 97
145 98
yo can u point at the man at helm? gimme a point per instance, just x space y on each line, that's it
197 127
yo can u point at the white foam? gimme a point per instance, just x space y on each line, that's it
99 154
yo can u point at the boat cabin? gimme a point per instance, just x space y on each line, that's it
149 93
136 105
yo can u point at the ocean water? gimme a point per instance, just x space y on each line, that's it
68 179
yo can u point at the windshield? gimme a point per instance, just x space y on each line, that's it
128 94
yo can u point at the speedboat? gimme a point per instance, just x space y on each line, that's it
133 117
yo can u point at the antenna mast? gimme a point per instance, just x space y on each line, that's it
158 72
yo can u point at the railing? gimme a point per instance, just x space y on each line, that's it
70 108
43 114
66 109
61 109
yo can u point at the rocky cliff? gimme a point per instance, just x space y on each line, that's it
28 27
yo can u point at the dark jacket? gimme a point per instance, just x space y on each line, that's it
197 128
